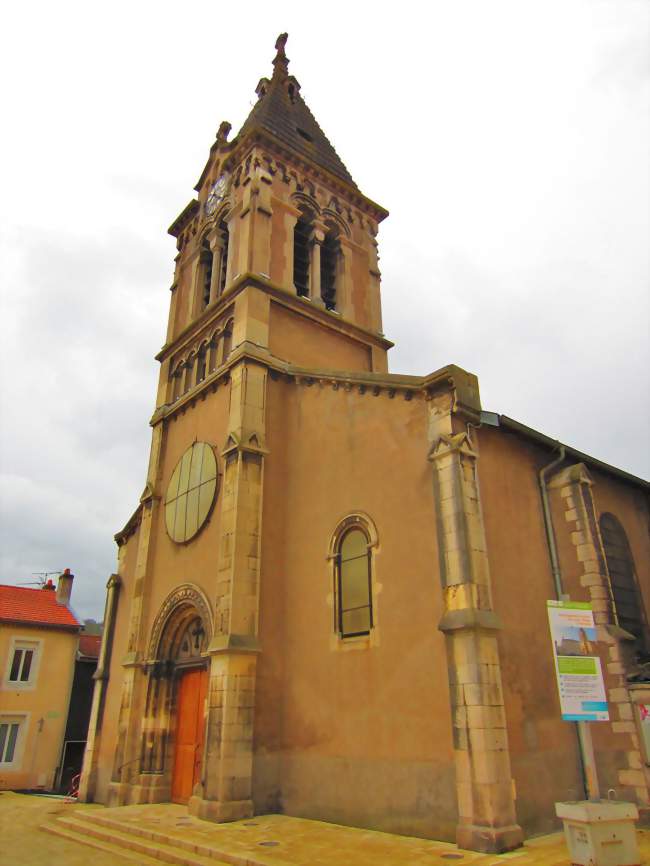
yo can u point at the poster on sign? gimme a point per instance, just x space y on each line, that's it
577 667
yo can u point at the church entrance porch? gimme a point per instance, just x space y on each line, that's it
188 754
164 707
166 832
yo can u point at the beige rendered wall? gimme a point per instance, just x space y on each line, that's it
44 707
355 731
299 341
195 562
544 749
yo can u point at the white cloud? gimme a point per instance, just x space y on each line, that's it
508 139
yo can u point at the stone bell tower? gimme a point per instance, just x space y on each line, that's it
276 269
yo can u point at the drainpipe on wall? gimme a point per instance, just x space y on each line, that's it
585 747
548 522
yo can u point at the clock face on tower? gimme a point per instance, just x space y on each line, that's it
216 194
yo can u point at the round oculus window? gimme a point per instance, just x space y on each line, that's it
191 492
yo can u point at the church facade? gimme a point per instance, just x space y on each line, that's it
331 599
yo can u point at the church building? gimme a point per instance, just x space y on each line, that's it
331 599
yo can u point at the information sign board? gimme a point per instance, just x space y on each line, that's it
577 667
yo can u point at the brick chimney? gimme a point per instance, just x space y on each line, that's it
64 587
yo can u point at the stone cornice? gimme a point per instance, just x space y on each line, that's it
129 527
287 298
185 216
373 384
352 194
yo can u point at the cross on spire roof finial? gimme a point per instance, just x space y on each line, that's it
281 61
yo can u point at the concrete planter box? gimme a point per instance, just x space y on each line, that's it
600 832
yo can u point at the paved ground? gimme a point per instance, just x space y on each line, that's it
22 843
294 841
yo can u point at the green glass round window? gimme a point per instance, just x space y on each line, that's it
191 492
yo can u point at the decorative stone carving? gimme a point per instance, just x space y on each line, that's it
186 595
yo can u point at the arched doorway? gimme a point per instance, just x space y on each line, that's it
174 723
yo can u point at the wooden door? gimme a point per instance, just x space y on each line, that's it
188 752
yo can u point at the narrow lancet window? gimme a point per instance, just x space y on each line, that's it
329 258
223 268
206 262
227 340
201 364
301 234
354 587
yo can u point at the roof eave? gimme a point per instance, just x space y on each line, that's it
542 439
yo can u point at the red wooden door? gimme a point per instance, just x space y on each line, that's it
188 753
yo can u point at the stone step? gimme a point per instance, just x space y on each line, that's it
140 847
212 852
82 838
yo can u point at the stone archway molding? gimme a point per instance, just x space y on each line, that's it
184 596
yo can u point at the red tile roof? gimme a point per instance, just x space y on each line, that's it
89 645
35 607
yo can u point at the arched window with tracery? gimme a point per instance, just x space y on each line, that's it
353 580
622 575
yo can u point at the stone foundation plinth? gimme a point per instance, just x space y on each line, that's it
214 810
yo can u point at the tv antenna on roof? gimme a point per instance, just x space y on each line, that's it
41 578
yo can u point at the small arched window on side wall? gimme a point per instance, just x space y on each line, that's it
620 564
353 579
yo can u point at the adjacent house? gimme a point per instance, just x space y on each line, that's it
39 641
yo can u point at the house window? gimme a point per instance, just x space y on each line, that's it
353 583
627 599
9 731
22 664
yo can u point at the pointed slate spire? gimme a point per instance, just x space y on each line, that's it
281 111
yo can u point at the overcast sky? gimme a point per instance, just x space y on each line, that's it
508 140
